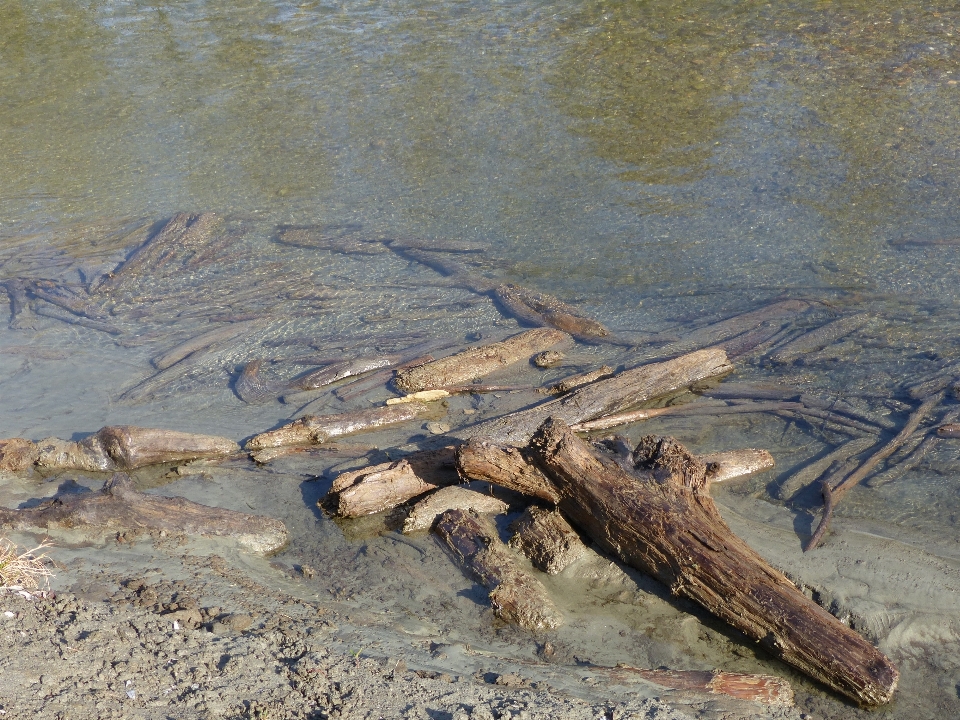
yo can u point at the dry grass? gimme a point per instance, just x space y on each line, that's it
27 570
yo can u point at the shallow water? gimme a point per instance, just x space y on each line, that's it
660 166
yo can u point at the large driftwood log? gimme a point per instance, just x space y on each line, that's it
606 397
516 596
119 507
115 447
662 521
477 362
315 429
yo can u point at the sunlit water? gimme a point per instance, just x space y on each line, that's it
660 165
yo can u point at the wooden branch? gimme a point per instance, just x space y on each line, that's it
731 464
839 490
663 522
516 596
315 429
575 381
542 310
507 467
477 362
606 397
454 497
819 338
119 507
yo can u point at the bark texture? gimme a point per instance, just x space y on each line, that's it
662 521
515 595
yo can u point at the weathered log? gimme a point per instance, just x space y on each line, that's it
315 429
766 689
508 467
662 521
731 464
548 358
453 497
813 470
516 596
606 397
340 371
126 447
477 362
72 319
222 334
119 507
547 539
542 310
819 338
381 487
575 381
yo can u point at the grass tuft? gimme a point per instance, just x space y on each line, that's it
27 570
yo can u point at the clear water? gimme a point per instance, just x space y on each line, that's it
660 165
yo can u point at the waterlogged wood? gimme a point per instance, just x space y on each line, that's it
618 419
74 300
575 381
949 430
819 338
477 362
548 358
731 464
835 488
127 447
606 397
506 466
315 429
19 303
216 336
340 371
118 507
662 521
547 539
766 689
251 387
71 319
515 595
542 310
460 497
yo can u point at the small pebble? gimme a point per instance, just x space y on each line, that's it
437 428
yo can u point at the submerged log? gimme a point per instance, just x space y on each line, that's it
736 463
516 596
453 497
119 507
662 521
126 447
476 362
547 539
575 381
542 310
606 397
819 338
315 429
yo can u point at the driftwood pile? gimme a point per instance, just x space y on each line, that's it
647 505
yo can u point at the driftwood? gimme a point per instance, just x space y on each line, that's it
662 521
542 310
315 429
606 397
118 507
736 463
454 497
509 467
547 539
813 470
548 358
119 447
381 487
575 381
516 596
819 338
766 689
476 362
833 492
222 334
